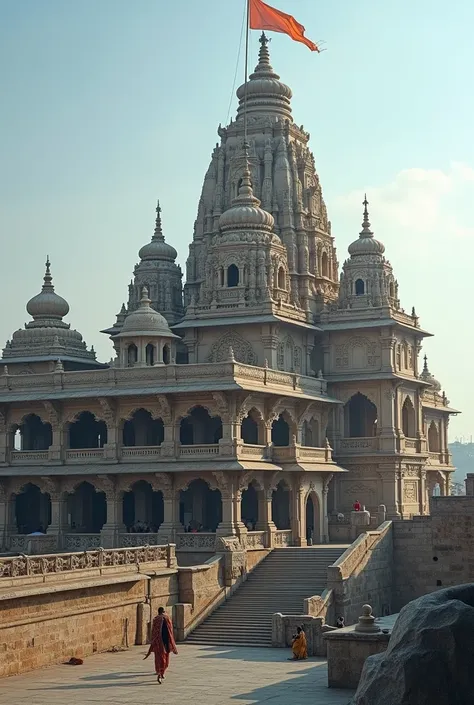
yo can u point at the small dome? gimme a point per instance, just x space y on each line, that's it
245 211
265 92
158 248
366 244
47 304
426 376
145 321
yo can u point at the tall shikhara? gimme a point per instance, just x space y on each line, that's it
283 178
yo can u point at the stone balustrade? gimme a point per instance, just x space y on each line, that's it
34 545
352 446
198 450
166 379
205 542
129 540
140 452
256 540
22 566
282 538
85 455
26 457
81 542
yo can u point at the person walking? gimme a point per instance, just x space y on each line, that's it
162 643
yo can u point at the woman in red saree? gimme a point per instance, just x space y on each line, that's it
162 643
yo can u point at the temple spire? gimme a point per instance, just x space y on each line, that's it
366 231
158 234
48 279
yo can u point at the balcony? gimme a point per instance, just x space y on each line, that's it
203 542
252 452
29 457
198 451
358 446
141 453
298 453
85 455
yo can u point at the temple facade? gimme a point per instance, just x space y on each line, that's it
259 401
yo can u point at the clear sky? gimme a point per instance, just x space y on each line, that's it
109 104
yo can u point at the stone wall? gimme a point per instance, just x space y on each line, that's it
435 551
364 574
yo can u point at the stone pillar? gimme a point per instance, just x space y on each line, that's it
114 525
227 526
6 438
57 449
59 523
240 527
298 516
171 524
3 517
265 521
423 492
388 441
324 511
391 490
111 447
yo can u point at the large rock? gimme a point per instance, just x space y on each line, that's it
430 656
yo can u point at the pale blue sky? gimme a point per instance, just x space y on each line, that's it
109 104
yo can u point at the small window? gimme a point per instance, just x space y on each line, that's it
132 355
166 354
281 278
359 287
232 275
150 354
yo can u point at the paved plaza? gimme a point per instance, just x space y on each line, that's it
199 675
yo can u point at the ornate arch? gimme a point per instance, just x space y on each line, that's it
278 477
251 478
17 417
346 395
44 484
184 410
127 413
243 351
73 415
70 484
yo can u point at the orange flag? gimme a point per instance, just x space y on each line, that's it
262 16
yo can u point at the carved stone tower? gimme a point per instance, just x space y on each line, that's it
284 179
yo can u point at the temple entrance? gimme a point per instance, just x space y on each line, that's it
249 507
281 506
200 508
87 509
32 510
142 508
312 520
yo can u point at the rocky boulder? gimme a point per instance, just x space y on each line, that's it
430 656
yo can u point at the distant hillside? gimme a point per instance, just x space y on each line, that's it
463 459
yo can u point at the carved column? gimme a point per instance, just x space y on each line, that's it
298 516
3 517
388 440
324 510
59 522
171 525
423 493
5 440
391 490
168 447
265 520
110 417
114 525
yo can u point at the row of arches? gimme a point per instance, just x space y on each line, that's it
361 417
198 427
232 277
153 354
200 508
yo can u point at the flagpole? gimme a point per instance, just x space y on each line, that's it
247 23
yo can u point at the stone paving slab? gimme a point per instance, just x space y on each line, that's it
199 675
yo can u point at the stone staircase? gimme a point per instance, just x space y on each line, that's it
279 583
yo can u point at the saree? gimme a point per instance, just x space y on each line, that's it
299 648
162 643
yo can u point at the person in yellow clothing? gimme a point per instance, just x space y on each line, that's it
298 646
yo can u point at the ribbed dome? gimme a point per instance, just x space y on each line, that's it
426 376
245 211
265 92
47 304
366 244
145 321
158 248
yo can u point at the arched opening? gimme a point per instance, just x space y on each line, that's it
310 433
281 431
200 508
281 506
143 430
87 509
132 355
408 418
312 519
143 509
32 510
325 265
166 354
87 432
232 275
32 434
391 290
249 507
281 278
359 287
433 438
200 428
150 354
405 356
251 428
360 417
